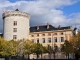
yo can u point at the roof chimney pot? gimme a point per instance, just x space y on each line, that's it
47 25
37 27
59 27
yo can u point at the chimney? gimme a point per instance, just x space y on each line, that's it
37 27
47 25
59 27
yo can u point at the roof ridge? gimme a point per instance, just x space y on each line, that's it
38 25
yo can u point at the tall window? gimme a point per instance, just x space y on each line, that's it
55 33
49 34
37 40
43 34
37 34
15 23
14 36
55 39
49 40
62 39
43 40
14 29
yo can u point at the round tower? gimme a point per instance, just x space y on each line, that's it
16 25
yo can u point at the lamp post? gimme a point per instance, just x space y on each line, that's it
52 41
53 50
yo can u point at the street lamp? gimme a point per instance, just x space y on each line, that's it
54 53
53 50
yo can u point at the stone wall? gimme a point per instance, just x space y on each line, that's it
22 25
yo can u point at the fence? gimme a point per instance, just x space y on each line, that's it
33 57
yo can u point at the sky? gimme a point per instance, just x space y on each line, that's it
54 12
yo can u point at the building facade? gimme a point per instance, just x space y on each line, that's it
16 25
50 35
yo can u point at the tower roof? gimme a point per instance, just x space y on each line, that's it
17 10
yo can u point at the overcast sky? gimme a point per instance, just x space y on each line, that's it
54 12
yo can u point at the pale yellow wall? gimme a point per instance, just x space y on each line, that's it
67 33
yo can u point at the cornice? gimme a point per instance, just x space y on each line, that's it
15 13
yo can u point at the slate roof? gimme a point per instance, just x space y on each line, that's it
44 28
75 28
62 28
1 35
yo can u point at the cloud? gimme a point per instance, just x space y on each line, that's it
42 11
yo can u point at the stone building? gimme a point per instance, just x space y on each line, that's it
50 35
16 25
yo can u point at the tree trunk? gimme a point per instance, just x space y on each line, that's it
50 55
73 55
41 55
37 56
54 54
28 55
68 55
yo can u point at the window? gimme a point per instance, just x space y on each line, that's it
32 35
43 34
37 34
62 39
49 34
14 29
55 39
55 33
49 40
37 40
15 23
61 33
43 40
33 40
14 36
